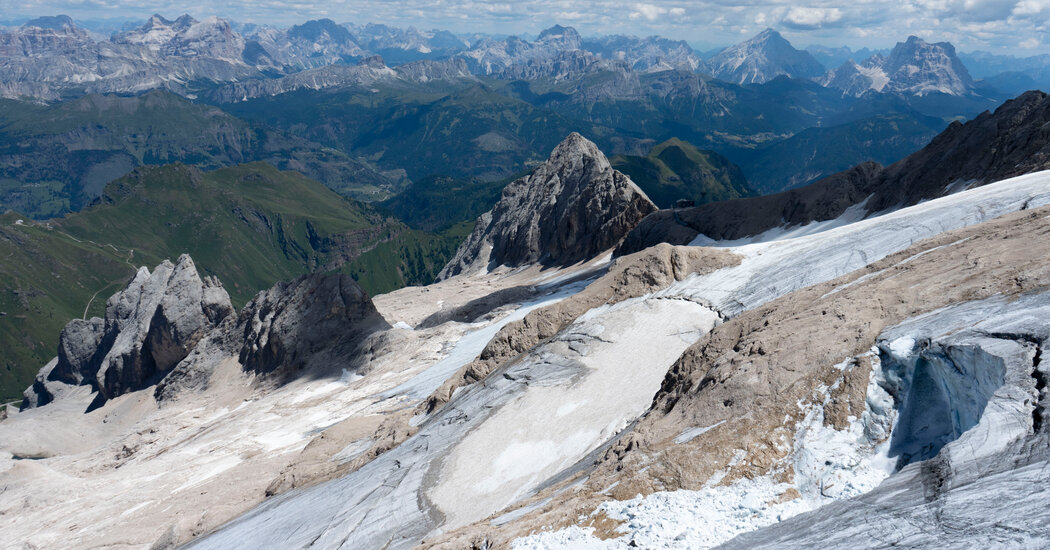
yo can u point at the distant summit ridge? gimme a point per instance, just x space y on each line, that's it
913 67
762 58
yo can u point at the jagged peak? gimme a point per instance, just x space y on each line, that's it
569 209
576 145
558 30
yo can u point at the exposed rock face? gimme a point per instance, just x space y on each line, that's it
761 59
315 318
149 327
914 67
571 208
1012 141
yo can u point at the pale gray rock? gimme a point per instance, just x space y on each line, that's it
315 325
913 67
148 329
571 208
318 319
77 344
762 58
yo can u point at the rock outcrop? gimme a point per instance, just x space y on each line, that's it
149 328
571 208
171 328
315 318
1012 141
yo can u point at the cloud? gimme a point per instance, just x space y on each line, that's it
812 18
996 25
650 12
1031 7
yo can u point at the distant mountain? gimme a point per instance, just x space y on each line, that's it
186 37
250 225
676 170
368 71
833 57
992 147
490 56
913 67
818 152
56 159
645 54
438 202
761 59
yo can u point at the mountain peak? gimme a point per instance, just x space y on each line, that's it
54 22
558 30
575 145
762 58
572 208
566 37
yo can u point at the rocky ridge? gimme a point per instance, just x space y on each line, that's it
913 67
1011 141
148 329
170 328
570 209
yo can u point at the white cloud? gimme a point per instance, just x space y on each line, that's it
1030 44
650 12
1031 7
997 25
812 18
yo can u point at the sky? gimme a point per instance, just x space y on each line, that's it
1002 26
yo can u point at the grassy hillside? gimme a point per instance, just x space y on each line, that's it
250 225
437 202
56 159
471 132
676 170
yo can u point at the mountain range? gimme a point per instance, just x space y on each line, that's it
51 58
803 368
368 109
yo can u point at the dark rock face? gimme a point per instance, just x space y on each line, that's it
315 318
1012 141
571 208
149 327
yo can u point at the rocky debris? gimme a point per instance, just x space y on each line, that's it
149 327
762 58
1012 141
315 319
570 209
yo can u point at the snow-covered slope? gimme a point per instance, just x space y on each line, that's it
416 490
679 396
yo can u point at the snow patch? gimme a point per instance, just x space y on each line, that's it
693 433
